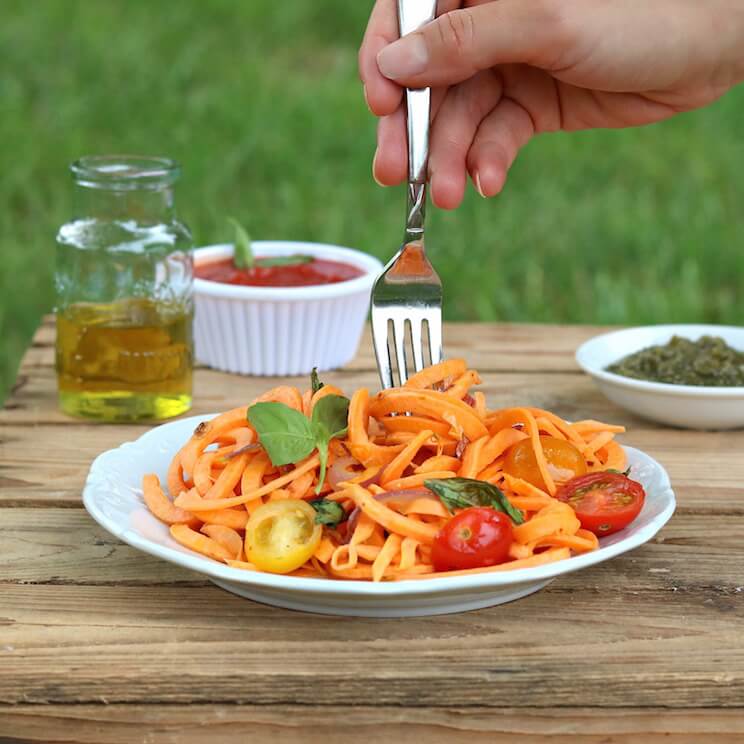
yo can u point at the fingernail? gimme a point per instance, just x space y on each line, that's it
405 57
478 186
374 167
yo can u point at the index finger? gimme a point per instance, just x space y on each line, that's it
383 95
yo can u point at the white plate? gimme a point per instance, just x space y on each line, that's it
690 406
113 497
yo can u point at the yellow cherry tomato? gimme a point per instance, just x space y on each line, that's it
282 535
564 461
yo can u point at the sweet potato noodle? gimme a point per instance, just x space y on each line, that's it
433 427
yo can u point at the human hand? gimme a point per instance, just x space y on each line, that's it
503 71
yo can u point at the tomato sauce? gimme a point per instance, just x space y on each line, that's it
317 271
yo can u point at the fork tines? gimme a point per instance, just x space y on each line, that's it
405 343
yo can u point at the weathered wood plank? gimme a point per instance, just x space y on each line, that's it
487 346
85 619
70 446
72 644
67 546
46 333
568 394
46 464
221 724
691 553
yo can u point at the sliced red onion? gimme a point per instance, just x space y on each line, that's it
469 399
461 445
341 470
373 481
252 447
351 524
403 496
443 385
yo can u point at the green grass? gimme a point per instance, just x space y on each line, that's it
261 104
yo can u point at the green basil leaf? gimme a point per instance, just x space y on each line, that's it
242 252
284 433
322 439
292 260
329 420
626 472
315 382
461 493
328 512
332 411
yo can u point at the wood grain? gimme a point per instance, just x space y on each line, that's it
121 644
82 612
699 463
101 643
286 724
65 546
57 477
488 347
566 393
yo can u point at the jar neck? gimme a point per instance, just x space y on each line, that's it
144 206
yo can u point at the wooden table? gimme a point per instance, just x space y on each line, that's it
100 643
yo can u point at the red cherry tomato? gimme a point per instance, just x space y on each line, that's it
604 502
475 537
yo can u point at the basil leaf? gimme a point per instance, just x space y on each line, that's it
328 512
329 420
332 411
288 436
626 472
292 260
461 493
242 252
322 439
285 434
315 382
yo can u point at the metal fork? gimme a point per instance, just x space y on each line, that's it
407 296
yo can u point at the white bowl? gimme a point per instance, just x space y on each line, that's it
688 406
282 330
113 497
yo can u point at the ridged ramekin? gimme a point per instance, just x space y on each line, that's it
282 330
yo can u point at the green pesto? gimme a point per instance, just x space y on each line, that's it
709 361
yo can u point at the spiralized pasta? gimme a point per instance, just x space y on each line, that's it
433 427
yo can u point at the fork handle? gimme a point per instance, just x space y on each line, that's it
412 14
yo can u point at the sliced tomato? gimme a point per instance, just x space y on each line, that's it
604 502
564 461
475 537
282 535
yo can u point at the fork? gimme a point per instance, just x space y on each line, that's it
407 296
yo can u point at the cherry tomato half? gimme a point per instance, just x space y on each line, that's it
475 537
282 535
564 461
604 502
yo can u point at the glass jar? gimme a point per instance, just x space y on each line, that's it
124 293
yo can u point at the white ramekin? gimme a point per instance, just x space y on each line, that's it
282 330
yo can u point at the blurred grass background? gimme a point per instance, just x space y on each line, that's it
261 104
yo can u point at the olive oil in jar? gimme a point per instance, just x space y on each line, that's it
126 360
124 280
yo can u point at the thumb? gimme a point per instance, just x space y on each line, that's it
462 42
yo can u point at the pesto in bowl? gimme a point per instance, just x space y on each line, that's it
708 361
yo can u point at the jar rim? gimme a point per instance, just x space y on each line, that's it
124 172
